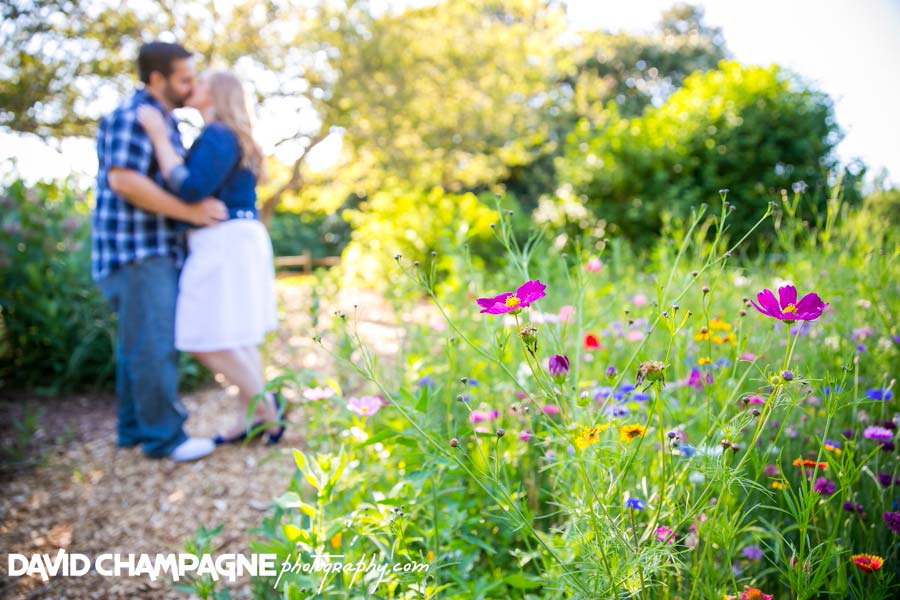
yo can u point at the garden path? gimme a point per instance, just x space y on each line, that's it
85 495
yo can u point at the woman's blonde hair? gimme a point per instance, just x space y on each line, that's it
230 109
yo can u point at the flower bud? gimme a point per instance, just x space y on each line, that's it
559 367
650 371
528 333
454 443
787 375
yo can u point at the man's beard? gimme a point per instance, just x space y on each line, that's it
174 99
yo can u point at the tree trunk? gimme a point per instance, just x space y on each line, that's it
293 184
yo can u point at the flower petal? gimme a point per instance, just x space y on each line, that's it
810 307
530 291
489 302
787 294
768 304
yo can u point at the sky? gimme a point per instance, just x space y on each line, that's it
848 49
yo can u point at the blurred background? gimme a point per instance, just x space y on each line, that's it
401 126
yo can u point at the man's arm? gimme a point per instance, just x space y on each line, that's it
141 191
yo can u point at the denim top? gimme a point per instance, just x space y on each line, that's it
212 168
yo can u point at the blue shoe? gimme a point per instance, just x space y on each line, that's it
274 438
255 430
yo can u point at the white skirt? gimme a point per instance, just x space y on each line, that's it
226 293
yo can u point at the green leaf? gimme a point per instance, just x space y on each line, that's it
523 582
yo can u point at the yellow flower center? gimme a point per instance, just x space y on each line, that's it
512 301
790 308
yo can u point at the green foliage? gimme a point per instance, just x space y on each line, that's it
414 224
295 233
521 504
882 208
57 329
750 129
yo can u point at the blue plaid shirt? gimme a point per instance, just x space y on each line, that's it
121 232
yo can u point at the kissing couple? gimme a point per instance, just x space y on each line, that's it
178 250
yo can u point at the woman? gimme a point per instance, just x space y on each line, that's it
226 298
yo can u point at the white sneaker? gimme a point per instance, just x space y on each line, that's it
192 449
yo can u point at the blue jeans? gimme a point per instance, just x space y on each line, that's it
149 410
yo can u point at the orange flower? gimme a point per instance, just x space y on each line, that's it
867 562
750 593
809 464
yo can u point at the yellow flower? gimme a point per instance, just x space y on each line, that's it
834 449
705 361
779 484
589 435
701 336
724 339
629 432
719 325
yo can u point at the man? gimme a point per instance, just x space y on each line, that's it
137 254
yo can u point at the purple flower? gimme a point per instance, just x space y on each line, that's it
885 479
853 507
365 405
879 434
611 371
694 379
787 375
528 292
602 392
426 381
753 553
892 520
879 394
480 416
824 486
786 308
617 411
635 504
558 366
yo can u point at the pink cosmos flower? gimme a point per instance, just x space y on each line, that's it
550 410
528 292
639 300
480 416
365 405
566 313
665 534
634 335
786 307
525 436
593 265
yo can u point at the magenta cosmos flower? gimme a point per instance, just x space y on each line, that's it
527 293
786 307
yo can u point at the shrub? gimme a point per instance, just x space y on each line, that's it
57 332
412 223
57 329
751 129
